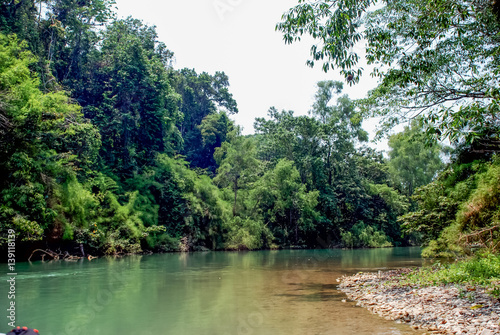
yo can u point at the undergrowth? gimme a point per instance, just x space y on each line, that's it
478 271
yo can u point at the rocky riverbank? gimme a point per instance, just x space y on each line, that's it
450 309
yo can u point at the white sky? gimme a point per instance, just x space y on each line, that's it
239 38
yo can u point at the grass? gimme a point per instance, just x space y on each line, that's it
478 271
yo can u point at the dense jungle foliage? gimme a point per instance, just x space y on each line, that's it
437 61
105 146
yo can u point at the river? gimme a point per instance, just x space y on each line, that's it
210 293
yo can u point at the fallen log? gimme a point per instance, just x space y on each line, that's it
57 256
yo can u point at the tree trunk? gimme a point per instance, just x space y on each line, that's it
235 195
81 250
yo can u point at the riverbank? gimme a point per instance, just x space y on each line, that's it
443 309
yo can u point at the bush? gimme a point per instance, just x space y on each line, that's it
364 236
483 270
247 235
478 220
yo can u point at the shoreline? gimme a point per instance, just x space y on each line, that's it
64 255
444 309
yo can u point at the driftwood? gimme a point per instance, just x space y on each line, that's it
482 238
58 255
55 256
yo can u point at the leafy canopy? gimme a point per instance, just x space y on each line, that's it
434 58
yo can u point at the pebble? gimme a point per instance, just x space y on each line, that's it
439 309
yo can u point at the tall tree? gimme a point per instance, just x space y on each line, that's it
413 163
201 96
24 18
288 208
214 130
43 140
295 138
79 21
340 125
127 94
238 165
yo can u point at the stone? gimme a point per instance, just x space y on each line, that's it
437 309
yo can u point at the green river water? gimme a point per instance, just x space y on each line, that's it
214 293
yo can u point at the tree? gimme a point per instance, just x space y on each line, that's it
434 58
315 143
340 125
412 163
438 205
336 24
214 129
128 96
40 144
285 203
353 183
203 96
61 33
190 205
79 22
238 164
20 17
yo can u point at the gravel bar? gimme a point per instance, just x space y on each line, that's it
446 309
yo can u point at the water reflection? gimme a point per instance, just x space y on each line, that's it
265 292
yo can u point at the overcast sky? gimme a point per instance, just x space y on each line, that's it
239 38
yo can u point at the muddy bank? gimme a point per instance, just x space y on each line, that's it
450 309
